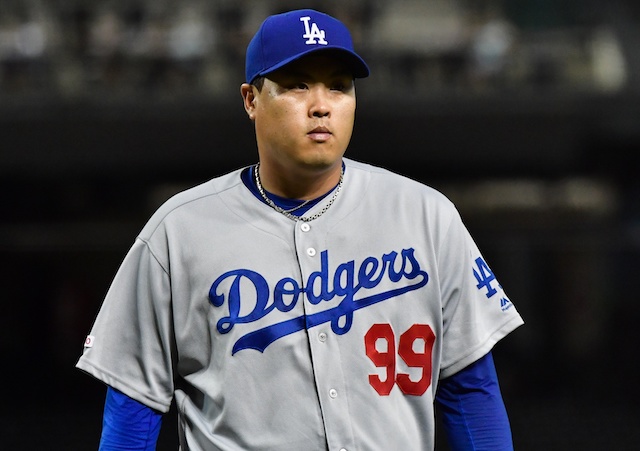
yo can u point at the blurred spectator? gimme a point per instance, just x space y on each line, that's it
23 50
609 64
191 39
106 37
174 47
490 51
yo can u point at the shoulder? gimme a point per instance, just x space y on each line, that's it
385 182
199 197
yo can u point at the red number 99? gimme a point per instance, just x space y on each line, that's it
413 358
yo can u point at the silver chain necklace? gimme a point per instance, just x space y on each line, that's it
287 213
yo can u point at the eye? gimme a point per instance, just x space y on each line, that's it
342 85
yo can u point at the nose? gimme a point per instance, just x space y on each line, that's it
320 103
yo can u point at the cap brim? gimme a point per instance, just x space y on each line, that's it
356 64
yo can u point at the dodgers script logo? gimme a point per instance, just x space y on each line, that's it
311 33
238 286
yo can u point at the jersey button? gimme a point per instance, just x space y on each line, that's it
333 393
311 252
305 227
322 337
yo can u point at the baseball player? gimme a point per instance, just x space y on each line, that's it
309 301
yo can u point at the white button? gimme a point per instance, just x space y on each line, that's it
305 227
333 393
322 337
343 449
311 252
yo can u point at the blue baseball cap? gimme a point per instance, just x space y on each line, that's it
286 37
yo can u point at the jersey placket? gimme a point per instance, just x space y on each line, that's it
323 343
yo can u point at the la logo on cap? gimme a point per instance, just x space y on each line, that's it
312 32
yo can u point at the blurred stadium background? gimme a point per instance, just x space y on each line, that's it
525 113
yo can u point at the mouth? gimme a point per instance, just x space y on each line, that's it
320 134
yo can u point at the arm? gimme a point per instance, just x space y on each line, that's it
473 412
128 424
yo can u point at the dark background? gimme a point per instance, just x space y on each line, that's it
538 152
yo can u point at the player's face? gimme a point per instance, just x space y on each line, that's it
304 115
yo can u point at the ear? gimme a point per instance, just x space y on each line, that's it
249 98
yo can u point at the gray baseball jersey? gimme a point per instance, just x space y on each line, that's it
275 334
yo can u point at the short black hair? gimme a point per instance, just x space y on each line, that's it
258 82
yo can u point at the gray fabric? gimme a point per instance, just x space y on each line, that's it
159 332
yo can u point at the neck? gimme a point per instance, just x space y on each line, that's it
303 185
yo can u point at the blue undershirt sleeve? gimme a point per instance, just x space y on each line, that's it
473 414
128 424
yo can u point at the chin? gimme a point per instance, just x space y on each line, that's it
321 164
322 159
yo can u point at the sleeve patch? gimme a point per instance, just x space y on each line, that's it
88 342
